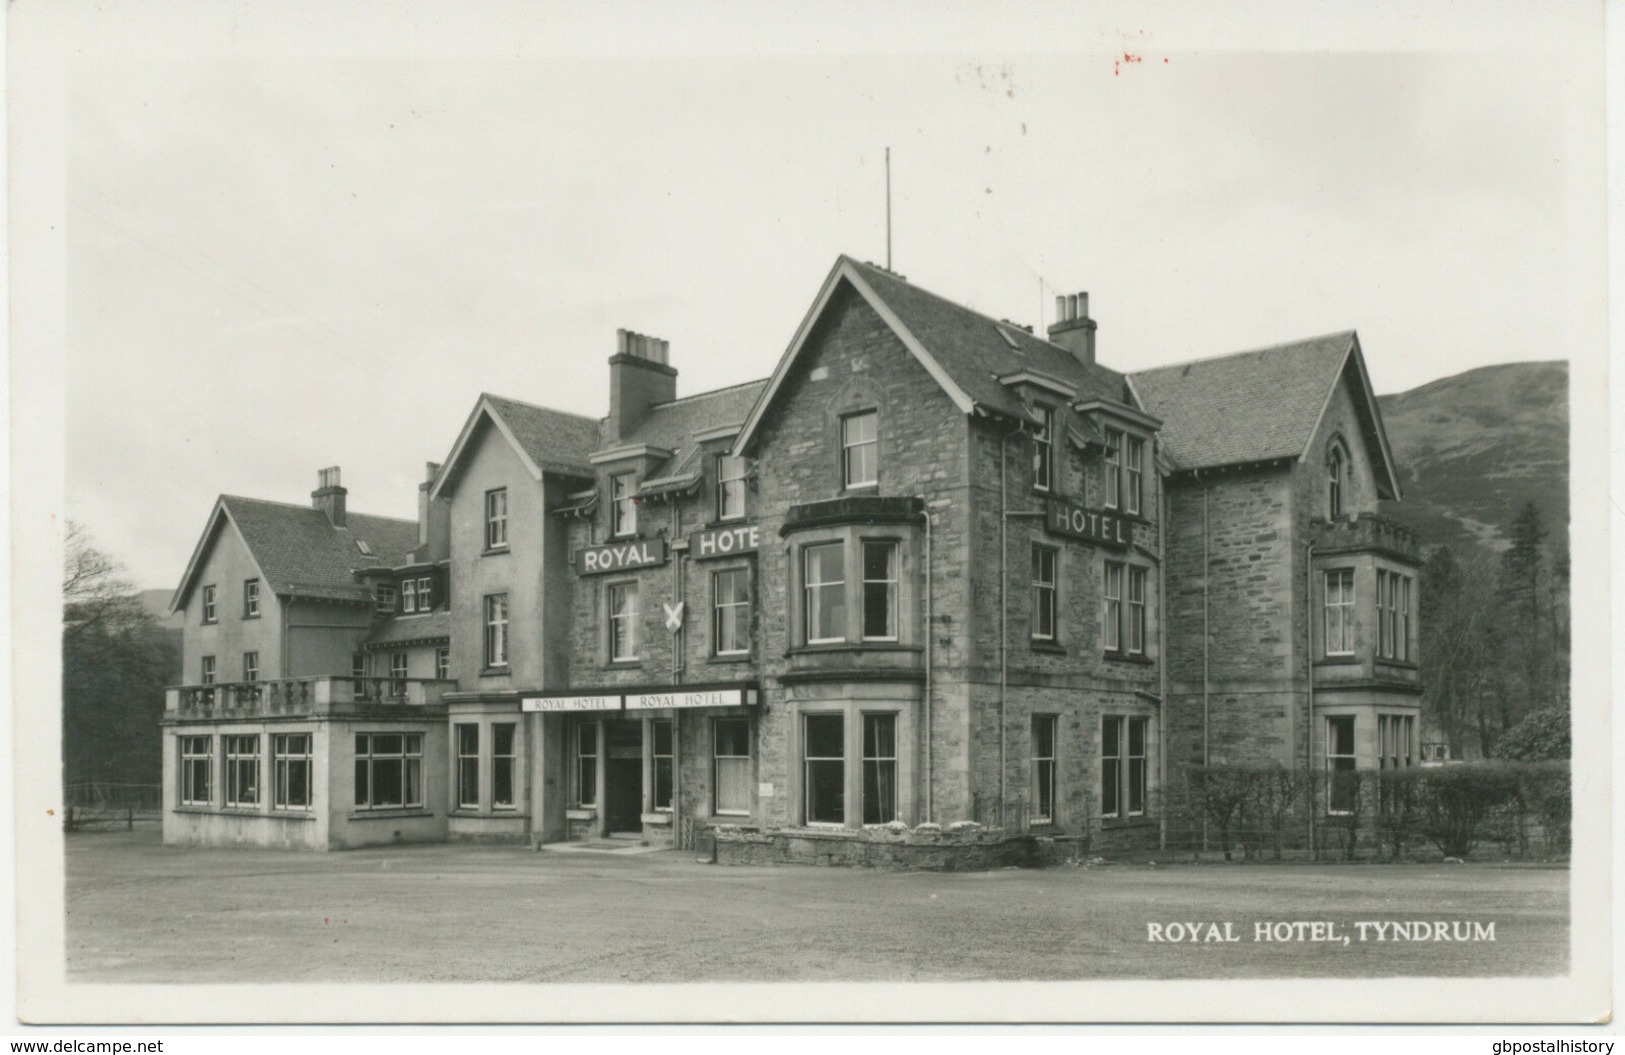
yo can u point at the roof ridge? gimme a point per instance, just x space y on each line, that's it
312 509
710 392
1181 364
1015 327
538 406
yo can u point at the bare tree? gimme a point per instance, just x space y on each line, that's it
96 594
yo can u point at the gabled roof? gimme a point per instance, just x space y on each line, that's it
965 351
546 440
298 550
1262 405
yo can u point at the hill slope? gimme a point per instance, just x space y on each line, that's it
1474 447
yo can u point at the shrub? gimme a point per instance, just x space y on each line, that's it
1542 736
1455 800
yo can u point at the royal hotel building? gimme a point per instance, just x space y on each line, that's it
933 568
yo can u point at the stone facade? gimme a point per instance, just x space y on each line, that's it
1013 607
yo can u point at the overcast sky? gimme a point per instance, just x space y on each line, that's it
276 264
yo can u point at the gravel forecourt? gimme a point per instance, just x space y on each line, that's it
141 912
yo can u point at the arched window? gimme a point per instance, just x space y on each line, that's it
1335 468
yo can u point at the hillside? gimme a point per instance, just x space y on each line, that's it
1474 447
157 603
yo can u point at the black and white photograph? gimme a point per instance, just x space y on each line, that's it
810 514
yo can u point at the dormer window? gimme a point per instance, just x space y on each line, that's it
409 596
384 597
1334 482
425 594
730 487
623 508
860 450
1124 471
1044 449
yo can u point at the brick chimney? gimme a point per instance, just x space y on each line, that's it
1073 329
639 377
329 495
434 518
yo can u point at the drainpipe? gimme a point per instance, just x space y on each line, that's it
1207 644
925 512
1309 680
1162 650
1004 606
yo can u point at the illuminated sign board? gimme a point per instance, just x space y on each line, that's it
649 701
621 556
724 541
1091 525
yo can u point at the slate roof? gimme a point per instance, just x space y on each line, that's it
301 553
1253 406
403 629
971 350
673 425
554 439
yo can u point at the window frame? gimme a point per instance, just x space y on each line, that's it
622 627
1042 763
496 631
811 590
1133 489
442 663
1336 464
207 670
623 508
409 596
744 761
410 758
196 752
251 666
1125 775
1111 475
848 446
425 593
1137 578
807 762
1111 599
286 761
251 598
730 485
658 772
585 774
496 519
726 614
466 782
886 767
1344 607
383 597
399 672
242 757
890 588
210 604
504 766
1044 449
1340 762
1045 594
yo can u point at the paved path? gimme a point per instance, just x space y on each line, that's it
141 912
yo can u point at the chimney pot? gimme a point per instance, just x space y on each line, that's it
329 495
1060 307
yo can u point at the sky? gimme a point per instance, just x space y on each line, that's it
277 260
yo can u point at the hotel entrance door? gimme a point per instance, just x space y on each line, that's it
623 776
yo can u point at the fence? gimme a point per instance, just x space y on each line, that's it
97 805
1521 810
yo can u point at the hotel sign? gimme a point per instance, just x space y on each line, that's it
649 701
724 541
1091 525
621 556
570 703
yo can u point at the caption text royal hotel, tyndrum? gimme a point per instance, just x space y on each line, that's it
934 568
